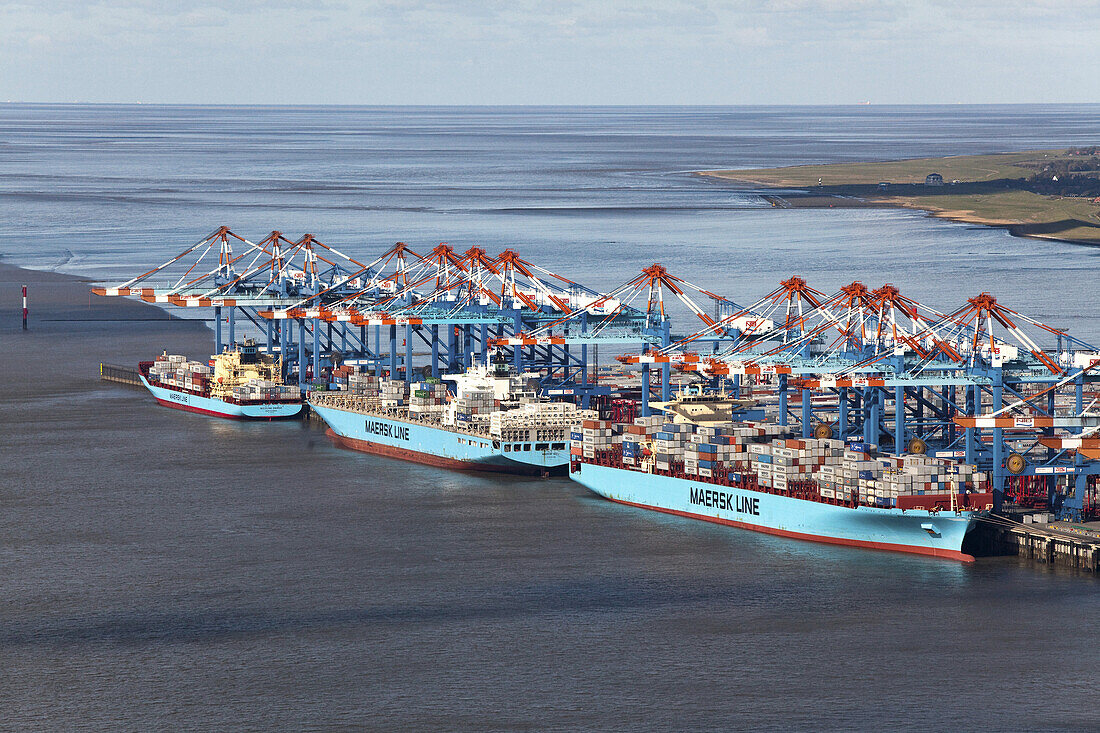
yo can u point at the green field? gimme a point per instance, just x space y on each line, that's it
987 191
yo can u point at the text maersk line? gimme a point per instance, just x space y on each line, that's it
722 500
386 430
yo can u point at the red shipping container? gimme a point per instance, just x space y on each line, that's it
943 501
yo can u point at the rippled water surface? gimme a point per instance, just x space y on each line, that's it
164 570
104 191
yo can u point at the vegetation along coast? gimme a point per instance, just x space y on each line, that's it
1050 194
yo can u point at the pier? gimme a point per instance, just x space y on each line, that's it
1068 544
119 374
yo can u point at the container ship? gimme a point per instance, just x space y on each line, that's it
241 383
493 421
754 476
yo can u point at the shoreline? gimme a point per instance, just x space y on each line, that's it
803 197
70 331
58 281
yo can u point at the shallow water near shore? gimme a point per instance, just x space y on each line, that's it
592 193
161 569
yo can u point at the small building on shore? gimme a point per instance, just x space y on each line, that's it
933 179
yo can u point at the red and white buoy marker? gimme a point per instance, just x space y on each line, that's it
24 307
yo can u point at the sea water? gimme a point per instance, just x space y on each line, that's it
166 570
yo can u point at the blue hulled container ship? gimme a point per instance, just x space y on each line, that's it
192 401
697 463
354 424
490 422
746 505
240 383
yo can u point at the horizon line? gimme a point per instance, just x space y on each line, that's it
541 105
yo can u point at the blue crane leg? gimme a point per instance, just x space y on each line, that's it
218 329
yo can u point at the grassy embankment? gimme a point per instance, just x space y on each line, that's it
987 191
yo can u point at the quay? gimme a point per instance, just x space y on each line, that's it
1068 544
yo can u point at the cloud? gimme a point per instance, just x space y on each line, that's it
644 51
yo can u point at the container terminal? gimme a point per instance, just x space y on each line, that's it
840 417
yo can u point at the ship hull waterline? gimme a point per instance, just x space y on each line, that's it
218 408
435 446
917 532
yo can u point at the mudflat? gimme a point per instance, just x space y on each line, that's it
71 331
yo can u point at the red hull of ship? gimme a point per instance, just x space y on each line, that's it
911 549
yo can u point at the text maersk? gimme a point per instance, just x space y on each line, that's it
387 430
728 501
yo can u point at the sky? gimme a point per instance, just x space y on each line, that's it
545 52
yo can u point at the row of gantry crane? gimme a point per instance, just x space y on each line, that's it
983 383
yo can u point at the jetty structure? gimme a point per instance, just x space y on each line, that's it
977 389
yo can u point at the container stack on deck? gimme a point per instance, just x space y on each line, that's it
636 436
474 406
592 436
855 469
718 447
339 378
668 445
341 375
537 421
362 384
176 371
429 398
265 390
913 476
825 467
394 392
779 463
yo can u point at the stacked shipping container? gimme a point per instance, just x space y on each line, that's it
393 392
264 390
429 398
636 436
592 436
833 469
474 406
176 371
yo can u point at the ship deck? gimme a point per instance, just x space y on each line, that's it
364 406
743 478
